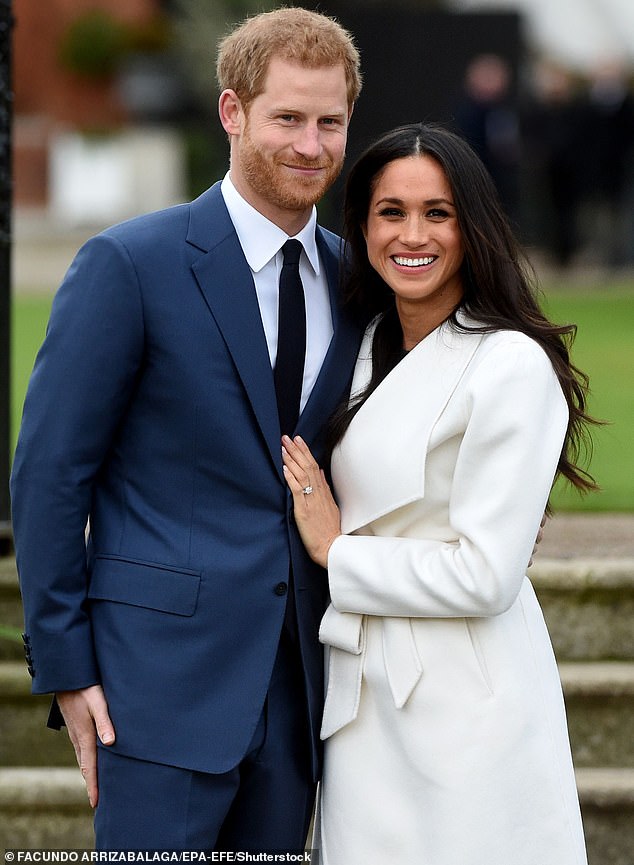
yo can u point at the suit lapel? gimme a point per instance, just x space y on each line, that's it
225 280
334 377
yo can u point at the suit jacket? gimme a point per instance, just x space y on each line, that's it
442 479
151 412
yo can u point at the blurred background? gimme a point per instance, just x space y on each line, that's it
115 105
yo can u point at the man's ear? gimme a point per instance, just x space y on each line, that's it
230 112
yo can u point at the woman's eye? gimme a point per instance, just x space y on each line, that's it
390 211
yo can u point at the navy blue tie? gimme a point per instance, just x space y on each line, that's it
291 339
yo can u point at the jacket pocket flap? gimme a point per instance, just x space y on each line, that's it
143 584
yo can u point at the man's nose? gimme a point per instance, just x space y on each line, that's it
308 142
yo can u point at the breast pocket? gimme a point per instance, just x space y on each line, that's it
150 585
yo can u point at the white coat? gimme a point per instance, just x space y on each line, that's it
445 725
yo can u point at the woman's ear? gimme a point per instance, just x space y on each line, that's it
230 112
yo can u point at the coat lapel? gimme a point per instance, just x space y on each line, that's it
396 423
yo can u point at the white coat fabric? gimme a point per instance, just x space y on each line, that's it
446 733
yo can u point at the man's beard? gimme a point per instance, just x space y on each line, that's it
271 180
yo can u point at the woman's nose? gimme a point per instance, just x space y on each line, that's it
414 232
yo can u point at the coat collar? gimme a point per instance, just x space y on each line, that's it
396 421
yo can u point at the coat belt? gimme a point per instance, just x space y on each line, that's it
345 635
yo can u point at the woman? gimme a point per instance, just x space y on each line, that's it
446 739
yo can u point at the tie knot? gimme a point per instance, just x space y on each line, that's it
292 250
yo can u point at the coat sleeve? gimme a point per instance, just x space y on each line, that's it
516 419
82 382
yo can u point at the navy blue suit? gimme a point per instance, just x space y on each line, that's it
152 412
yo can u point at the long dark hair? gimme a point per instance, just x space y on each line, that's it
499 284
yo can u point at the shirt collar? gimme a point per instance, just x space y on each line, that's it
260 238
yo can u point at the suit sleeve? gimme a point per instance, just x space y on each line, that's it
82 381
516 419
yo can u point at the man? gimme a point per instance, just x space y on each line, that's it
185 632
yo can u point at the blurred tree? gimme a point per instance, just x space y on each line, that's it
93 44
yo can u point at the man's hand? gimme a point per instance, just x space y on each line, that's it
86 716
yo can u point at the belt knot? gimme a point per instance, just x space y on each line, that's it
345 636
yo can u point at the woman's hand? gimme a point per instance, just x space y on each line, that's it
316 513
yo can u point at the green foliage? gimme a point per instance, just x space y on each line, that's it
604 350
93 44
29 317
96 42
9 633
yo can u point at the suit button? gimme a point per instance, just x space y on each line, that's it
281 589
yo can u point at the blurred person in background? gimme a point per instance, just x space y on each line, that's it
608 151
487 116
553 137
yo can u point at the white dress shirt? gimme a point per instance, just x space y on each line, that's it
262 241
